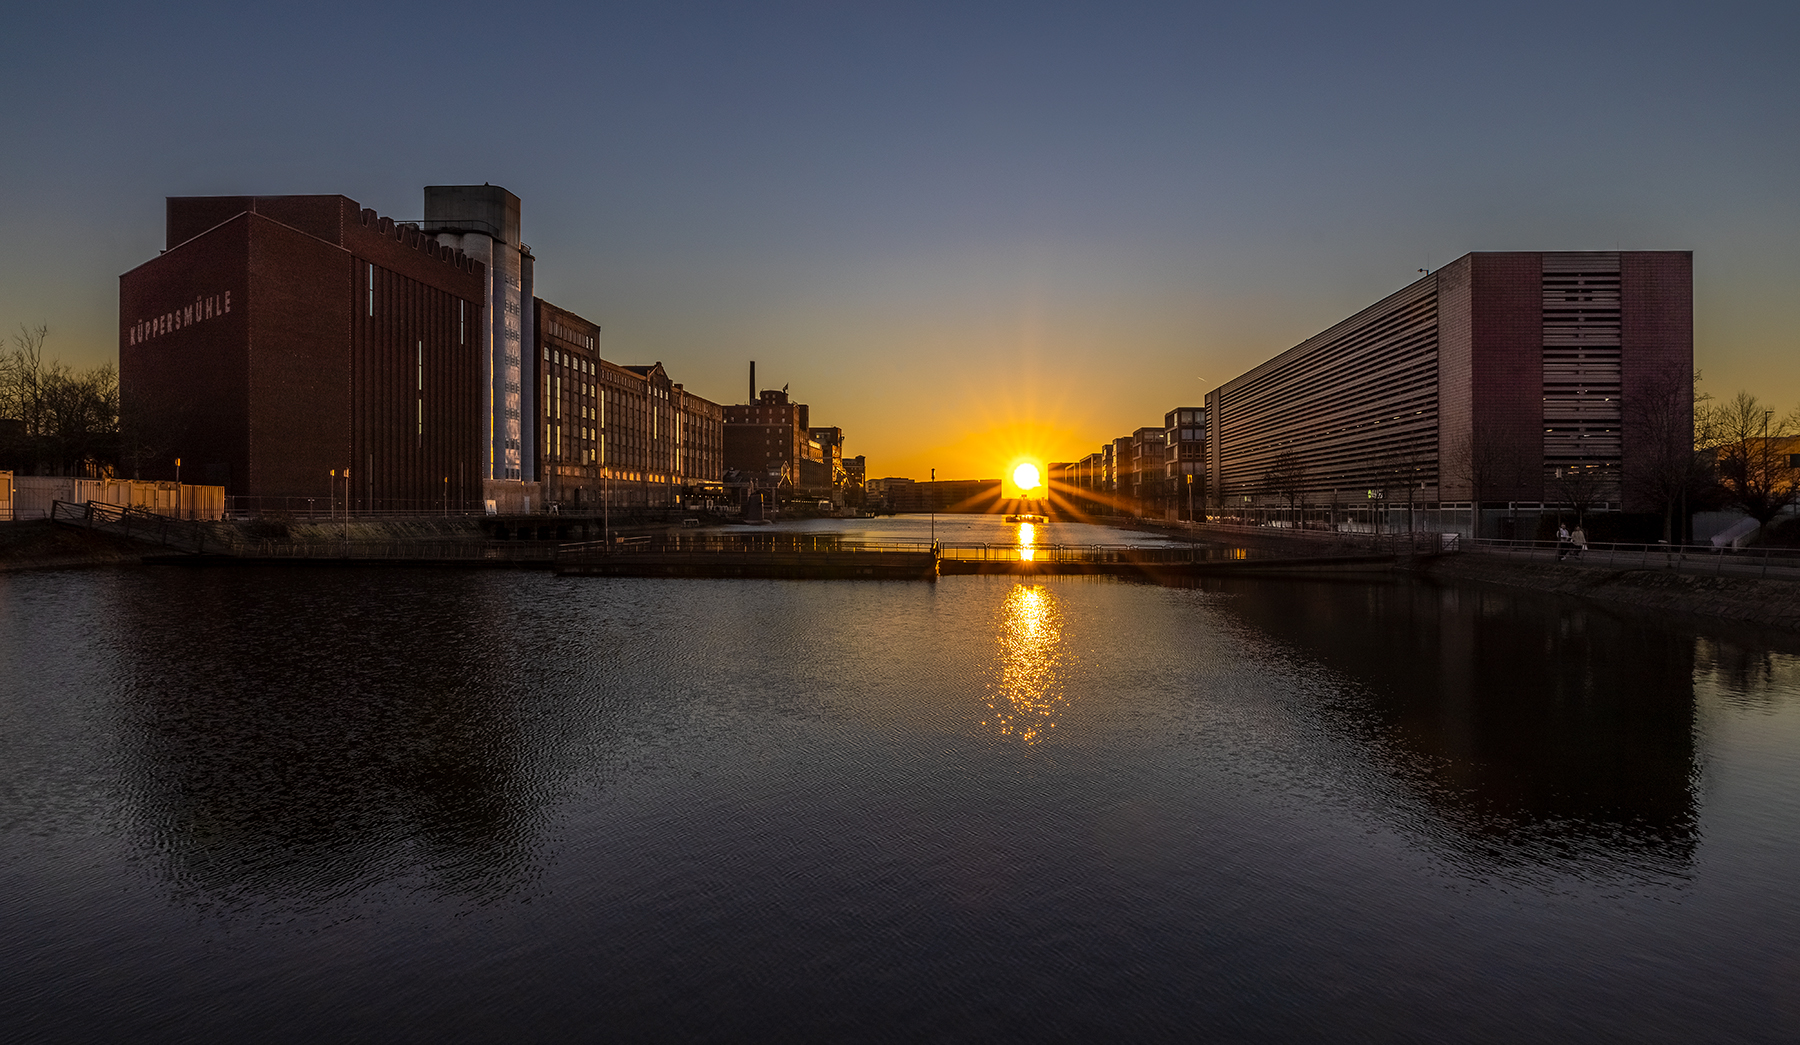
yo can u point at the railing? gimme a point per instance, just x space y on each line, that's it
783 544
400 550
1399 542
1087 554
139 524
772 543
1685 558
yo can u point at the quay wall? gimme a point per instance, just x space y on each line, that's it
39 544
1768 603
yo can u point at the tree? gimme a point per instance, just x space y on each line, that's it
58 420
1402 469
1753 449
1670 459
1482 465
22 388
1582 486
1286 478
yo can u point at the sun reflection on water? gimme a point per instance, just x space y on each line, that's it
1027 542
1024 701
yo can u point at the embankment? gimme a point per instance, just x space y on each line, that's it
40 544
1769 603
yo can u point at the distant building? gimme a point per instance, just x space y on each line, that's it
1088 494
1146 474
614 435
565 378
1185 462
880 493
768 438
947 495
830 443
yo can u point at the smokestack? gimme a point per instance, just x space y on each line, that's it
753 381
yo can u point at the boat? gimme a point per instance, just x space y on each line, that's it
1028 518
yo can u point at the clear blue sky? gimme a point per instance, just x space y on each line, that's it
960 231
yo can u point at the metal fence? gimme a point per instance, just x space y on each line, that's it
741 544
1403 542
400 550
1685 558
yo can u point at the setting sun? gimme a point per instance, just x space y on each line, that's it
1025 477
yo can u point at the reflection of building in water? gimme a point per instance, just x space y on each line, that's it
1536 730
1024 701
302 761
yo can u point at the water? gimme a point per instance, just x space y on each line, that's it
419 805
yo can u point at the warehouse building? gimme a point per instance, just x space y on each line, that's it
612 435
304 352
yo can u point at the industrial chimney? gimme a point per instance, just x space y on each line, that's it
753 382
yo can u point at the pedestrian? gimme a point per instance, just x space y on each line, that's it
1579 539
1562 540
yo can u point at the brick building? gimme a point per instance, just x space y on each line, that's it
612 434
565 380
302 351
768 438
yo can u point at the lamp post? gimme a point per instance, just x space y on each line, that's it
1193 524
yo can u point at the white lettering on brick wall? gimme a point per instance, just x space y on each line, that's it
201 309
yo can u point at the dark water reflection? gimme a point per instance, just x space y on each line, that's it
1537 735
308 743
412 805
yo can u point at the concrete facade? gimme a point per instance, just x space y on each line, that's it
483 221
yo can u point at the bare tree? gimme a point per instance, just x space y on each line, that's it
1582 486
22 380
1286 478
1483 465
1403 469
1671 459
1754 450
56 419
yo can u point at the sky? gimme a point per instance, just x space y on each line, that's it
965 233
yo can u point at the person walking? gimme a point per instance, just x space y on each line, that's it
1562 540
1579 539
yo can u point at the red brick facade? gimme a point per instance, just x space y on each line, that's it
280 339
1656 290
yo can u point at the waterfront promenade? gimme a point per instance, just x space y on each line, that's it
1757 586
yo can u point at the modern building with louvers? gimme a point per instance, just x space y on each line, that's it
1500 378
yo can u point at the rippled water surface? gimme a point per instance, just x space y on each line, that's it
307 805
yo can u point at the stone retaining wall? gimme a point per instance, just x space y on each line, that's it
1773 603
